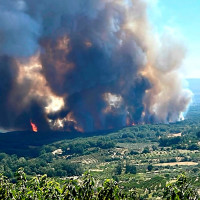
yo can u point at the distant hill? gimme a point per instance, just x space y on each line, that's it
194 86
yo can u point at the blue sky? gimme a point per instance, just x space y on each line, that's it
183 18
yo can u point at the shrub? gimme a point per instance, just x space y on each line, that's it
131 169
180 189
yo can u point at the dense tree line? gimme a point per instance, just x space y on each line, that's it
44 164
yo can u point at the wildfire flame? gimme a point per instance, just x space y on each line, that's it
34 127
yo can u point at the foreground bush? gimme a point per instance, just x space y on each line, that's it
42 188
85 188
181 189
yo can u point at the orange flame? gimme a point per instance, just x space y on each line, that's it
34 127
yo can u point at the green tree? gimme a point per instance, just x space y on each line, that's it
130 169
146 150
150 167
181 189
118 169
154 147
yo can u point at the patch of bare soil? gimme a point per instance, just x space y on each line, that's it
177 163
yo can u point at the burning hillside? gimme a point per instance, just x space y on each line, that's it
86 65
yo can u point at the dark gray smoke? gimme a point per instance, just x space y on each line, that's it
86 65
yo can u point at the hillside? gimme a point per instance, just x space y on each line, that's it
141 156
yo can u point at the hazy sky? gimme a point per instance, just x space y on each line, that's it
182 17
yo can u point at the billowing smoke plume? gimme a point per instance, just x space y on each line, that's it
86 65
